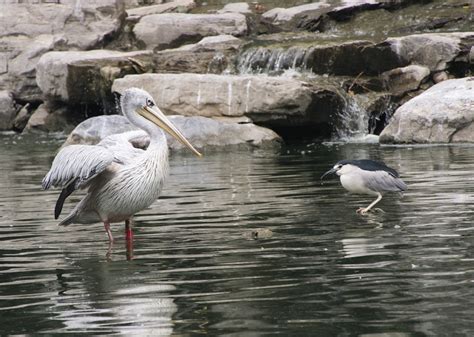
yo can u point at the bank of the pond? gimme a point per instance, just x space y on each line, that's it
336 69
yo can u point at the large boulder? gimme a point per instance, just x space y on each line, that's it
347 58
180 6
202 132
265 99
161 31
353 57
402 80
30 30
7 110
85 77
442 114
236 7
213 54
432 50
49 117
309 16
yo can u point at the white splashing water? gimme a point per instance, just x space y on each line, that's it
353 124
247 91
198 99
262 60
229 97
78 12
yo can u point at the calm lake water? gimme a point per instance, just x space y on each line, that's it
196 268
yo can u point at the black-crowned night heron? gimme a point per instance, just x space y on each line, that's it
367 177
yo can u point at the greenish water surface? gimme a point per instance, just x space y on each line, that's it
196 268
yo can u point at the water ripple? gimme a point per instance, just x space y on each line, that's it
196 269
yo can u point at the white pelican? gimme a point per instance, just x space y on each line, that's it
121 179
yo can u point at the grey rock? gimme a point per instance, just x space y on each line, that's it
432 50
22 118
161 31
352 58
271 100
176 6
21 75
85 77
29 30
402 80
200 131
50 118
440 76
237 7
289 18
442 114
471 55
7 110
347 58
214 54
308 16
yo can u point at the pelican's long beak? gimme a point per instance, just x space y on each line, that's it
157 117
331 171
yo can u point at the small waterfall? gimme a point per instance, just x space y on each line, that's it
353 124
264 60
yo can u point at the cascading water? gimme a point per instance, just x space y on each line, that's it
352 126
271 61
356 124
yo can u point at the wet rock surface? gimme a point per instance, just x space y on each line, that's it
58 73
7 110
49 117
180 6
265 99
162 31
202 132
442 114
213 54
335 68
402 80
30 30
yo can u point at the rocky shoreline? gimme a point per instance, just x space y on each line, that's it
238 72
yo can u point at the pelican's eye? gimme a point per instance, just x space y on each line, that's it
150 103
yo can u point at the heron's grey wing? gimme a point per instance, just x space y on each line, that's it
126 146
383 181
78 164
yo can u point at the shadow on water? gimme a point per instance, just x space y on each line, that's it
195 270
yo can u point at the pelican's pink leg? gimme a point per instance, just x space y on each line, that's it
128 230
107 230
129 238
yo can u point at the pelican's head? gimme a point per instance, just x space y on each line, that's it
140 109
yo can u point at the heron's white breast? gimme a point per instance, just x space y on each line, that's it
353 181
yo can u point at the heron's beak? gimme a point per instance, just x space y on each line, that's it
331 171
157 117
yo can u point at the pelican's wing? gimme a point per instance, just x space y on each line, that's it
78 164
126 146
74 167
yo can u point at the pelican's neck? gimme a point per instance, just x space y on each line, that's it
157 136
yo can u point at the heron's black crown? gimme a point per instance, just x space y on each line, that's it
370 165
